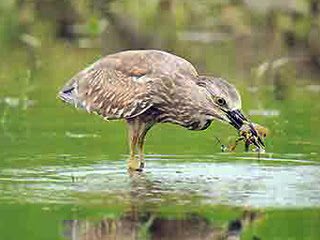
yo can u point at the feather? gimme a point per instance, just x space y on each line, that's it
126 84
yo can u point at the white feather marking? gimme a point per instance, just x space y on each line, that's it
120 112
88 108
100 105
138 79
112 97
108 109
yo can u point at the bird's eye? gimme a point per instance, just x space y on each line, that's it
221 101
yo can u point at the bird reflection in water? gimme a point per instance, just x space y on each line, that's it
134 225
140 221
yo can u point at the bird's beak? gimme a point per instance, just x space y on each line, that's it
238 120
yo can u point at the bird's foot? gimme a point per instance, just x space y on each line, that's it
133 172
142 165
134 165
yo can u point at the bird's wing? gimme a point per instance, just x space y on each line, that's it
109 91
126 84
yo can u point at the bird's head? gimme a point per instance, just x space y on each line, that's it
225 105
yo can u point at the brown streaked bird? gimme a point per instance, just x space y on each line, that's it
146 87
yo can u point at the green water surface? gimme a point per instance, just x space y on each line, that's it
61 168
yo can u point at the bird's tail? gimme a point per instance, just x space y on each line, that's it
69 94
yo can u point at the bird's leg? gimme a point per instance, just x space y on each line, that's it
134 134
141 139
143 129
138 131
140 152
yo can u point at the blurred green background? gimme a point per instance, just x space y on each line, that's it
60 164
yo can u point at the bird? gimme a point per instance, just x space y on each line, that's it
146 87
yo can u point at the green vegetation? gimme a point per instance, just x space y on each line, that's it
58 163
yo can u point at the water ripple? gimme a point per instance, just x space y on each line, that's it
227 182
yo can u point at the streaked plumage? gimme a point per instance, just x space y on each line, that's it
149 86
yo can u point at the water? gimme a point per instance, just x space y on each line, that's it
232 182
64 169
63 172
